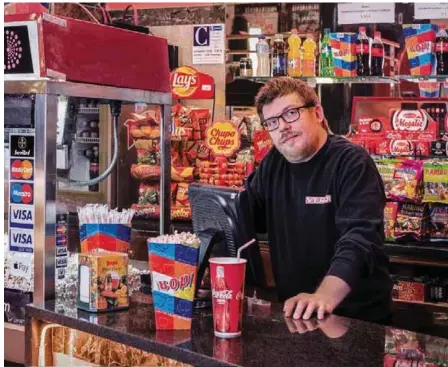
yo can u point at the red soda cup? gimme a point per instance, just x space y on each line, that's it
227 275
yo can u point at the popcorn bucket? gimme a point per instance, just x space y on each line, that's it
343 47
429 89
174 272
109 237
419 42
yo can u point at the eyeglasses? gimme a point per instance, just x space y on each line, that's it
289 116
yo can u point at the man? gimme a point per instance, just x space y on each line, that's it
321 200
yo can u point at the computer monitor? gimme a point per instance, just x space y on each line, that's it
222 220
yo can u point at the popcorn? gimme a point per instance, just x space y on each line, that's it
184 238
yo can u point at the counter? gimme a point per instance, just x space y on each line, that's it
269 340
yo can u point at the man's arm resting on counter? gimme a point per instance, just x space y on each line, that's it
327 297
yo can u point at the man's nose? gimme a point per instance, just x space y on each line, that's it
283 125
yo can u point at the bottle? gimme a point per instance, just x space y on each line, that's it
222 296
94 168
263 64
326 56
442 50
363 53
377 56
309 56
294 62
278 56
245 66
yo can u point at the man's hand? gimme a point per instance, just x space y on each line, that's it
304 305
332 326
327 297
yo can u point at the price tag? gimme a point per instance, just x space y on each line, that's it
366 13
431 10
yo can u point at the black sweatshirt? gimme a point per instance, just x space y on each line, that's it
325 217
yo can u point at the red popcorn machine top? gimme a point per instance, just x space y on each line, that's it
56 67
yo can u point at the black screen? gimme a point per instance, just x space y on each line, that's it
19 111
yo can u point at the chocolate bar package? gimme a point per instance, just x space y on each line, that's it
390 219
411 222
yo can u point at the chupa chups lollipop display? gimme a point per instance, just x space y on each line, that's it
420 42
173 261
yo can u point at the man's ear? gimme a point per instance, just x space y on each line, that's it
320 113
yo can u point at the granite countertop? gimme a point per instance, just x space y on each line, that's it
267 340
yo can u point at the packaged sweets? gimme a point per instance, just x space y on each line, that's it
411 221
102 281
148 151
386 168
407 181
438 222
390 219
435 182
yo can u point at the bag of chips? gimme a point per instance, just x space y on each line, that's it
148 151
200 118
182 194
148 194
407 181
438 222
435 182
411 222
390 218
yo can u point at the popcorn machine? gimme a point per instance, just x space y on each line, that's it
53 65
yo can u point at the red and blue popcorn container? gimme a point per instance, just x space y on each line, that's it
173 269
420 42
343 48
107 236
429 89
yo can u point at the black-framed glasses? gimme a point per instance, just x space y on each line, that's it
289 116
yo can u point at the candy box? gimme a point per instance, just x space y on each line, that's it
419 42
102 281
107 236
409 290
174 272
343 47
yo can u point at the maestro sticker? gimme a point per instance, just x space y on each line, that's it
22 193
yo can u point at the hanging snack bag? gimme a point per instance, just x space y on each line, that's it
435 182
386 168
148 151
182 194
411 222
438 222
407 181
148 194
390 219
200 118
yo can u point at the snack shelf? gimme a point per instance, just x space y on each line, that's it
441 304
425 78
424 251
419 262
331 80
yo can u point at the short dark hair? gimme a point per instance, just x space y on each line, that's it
283 86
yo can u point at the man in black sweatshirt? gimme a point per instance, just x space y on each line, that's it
321 200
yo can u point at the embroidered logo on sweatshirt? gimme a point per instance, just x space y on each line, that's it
318 199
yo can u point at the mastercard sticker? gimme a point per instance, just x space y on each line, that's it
21 193
22 169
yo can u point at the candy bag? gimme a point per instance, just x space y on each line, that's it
407 181
390 219
438 222
435 182
411 221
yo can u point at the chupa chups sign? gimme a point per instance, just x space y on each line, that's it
223 138
188 83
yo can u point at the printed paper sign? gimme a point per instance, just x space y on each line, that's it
208 44
21 216
425 10
21 240
20 265
362 13
60 273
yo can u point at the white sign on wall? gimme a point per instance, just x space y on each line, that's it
208 44
360 13
431 10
